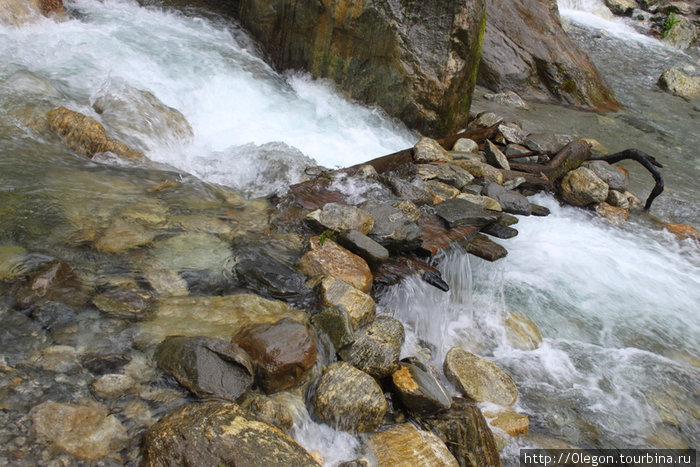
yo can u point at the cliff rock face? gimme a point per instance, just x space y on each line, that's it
417 60
526 50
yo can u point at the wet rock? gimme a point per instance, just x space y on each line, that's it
367 172
511 422
126 301
331 259
18 12
495 157
407 191
376 347
508 98
206 366
58 358
485 248
85 135
634 202
192 251
56 282
507 219
484 201
359 410
621 7
269 410
617 216
338 217
522 332
511 201
617 199
392 228
215 316
405 445
112 385
681 230
676 82
499 231
123 235
105 363
363 246
204 224
409 209
465 145
478 378
361 462
614 177
682 34
480 170
283 353
466 434
440 191
11 262
458 212
419 390
429 150
52 315
335 322
359 306
485 120
88 433
582 187
150 213
218 434
538 210
166 282
265 274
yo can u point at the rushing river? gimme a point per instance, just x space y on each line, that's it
617 306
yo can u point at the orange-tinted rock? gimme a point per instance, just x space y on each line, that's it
511 422
57 282
283 353
681 230
51 6
331 259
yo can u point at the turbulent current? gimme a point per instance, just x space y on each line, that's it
617 306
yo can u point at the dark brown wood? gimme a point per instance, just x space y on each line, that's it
436 235
569 158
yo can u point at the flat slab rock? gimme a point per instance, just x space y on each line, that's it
460 212
478 378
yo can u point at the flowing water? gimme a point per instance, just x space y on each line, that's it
617 306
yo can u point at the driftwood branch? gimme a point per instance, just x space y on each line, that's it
647 161
567 159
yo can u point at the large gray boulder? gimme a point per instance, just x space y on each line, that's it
417 60
526 50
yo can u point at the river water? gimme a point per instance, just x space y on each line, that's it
617 306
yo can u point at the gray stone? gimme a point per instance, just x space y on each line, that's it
269 276
508 98
512 133
392 228
480 379
618 199
499 231
485 120
363 246
440 191
338 217
429 150
465 145
511 201
546 142
409 209
513 149
458 212
582 187
480 170
407 191
358 410
485 201
377 347
127 301
335 322
513 183
113 385
453 175
683 34
495 157
679 83
419 390
206 366
621 7
218 433
615 178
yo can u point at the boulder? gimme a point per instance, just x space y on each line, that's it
453 175
206 366
429 150
527 51
417 60
338 217
377 347
679 83
512 133
269 410
480 170
485 248
405 445
419 390
359 410
363 246
88 433
392 228
359 306
218 434
621 7
466 434
283 353
465 145
335 322
582 187
522 333
330 259
495 157
459 212
614 177
85 135
683 34
478 378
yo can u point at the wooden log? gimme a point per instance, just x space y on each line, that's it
569 158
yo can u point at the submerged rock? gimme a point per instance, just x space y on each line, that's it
56 281
376 347
328 258
219 434
283 353
513 423
206 366
359 410
478 378
265 274
522 332
405 445
127 301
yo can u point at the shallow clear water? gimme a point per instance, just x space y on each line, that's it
617 306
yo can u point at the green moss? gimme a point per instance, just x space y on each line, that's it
569 86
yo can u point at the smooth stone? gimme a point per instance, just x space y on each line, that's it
480 170
377 347
405 445
499 231
466 434
614 177
338 217
465 145
109 363
459 212
522 333
485 120
407 191
511 422
126 301
511 201
538 210
392 228
495 157
112 385
59 358
507 219
582 187
508 98
359 306
202 224
357 411
88 433
419 390
429 150
151 213
489 203
363 246
166 282
269 410
55 281
478 378
679 83
485 248
11 262
331 259
336 324
219 433
192 251
261 272
283 353
206 366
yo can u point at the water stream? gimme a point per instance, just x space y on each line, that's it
617 306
